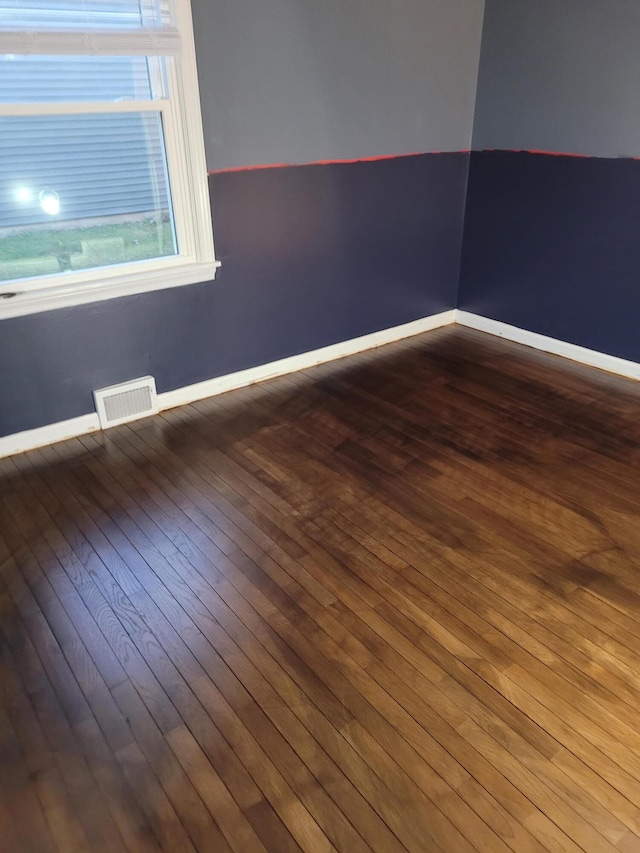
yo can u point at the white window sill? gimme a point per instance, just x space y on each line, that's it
72 294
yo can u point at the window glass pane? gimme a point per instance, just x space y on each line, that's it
82 191
41 79
84 14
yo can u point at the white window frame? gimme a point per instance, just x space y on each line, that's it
186 164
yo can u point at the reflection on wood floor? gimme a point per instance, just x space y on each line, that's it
388 603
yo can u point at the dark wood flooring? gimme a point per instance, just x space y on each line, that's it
389 603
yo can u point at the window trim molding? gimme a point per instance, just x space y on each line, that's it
128 284
186 162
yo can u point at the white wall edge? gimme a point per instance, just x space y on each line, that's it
589 357
52 433
222 384
30 439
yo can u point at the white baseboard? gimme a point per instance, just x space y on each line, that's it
52 433
212 387
592 358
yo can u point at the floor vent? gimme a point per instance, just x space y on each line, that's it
126 402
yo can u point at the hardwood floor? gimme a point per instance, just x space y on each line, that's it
389 603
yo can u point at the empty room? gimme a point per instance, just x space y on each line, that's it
319 426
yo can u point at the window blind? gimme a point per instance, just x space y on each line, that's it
116 27
54 79
84 14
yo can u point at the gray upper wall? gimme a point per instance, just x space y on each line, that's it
295 81
560 75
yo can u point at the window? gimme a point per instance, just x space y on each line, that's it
103 187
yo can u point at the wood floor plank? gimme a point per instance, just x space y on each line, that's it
128 582
495 841
389 603
618 833
458 810
346 794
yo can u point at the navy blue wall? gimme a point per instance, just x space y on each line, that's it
551 245
311 256
551 242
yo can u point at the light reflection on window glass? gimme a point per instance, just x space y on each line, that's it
82 191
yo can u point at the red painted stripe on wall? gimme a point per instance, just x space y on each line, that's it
397 156
536 151
330 162
562 154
